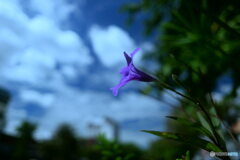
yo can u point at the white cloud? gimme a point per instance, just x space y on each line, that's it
69 71
91 108
51 8
13 26
14 118
109 44
34 46
33 53
43 99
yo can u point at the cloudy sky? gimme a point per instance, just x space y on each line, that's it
59 59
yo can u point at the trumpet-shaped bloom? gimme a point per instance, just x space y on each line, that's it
130 72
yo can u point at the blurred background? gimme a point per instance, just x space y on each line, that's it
59 59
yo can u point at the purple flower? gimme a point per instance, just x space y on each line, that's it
130 72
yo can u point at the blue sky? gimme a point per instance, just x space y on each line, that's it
59 59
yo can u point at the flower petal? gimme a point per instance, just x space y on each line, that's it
130 72
124 71
114 91
143 76
128 58
134 52
122 83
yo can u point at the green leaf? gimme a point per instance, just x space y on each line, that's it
131 8
147 90
174 27
215 119
203 122
218 134
194 125
187 157
217 124
193 141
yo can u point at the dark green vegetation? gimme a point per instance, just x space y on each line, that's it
64 145
197 43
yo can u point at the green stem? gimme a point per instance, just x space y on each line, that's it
195 101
